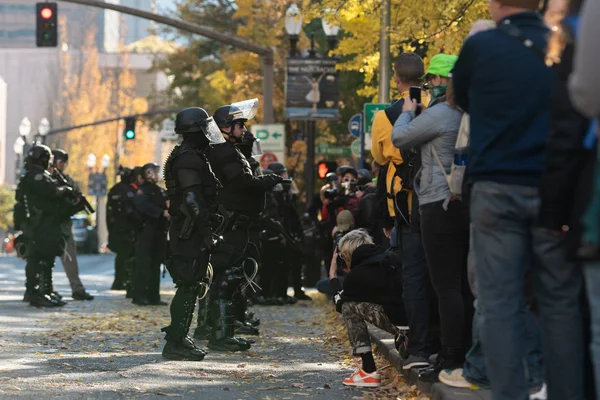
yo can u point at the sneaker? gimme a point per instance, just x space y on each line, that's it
454 378
362 379
541 395
415 361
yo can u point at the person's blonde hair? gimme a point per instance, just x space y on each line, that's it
353 240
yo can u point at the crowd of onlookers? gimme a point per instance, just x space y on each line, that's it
481 217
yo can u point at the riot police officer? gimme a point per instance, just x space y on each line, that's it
122 222
286 198
69 256
192 189
42 205
243 196
150 247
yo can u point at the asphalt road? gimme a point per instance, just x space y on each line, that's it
110 349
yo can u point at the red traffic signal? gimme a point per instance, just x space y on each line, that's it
46 24
46 13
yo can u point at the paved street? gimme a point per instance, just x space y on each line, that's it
110 349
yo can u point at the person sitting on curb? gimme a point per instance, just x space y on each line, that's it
369 294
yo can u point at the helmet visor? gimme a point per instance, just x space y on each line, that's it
257 150
212 132
245 110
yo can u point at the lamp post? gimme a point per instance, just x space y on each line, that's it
331 30
293 27
18 148
24 131
91 164
43 129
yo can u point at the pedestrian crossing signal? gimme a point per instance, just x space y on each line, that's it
325 167
129 131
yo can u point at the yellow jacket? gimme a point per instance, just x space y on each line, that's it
385 153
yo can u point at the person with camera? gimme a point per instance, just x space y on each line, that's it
69 257
369 294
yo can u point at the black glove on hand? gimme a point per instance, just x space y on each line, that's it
248 139
287 184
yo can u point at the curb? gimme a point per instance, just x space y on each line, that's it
437 391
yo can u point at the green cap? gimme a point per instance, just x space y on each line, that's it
441 64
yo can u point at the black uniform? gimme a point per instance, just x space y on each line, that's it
243 196
192 189
122 220
46 205
150 246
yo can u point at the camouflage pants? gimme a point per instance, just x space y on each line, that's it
356 315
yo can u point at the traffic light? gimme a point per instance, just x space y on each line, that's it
325 167
129 131
47 24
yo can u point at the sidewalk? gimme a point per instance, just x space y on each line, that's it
438 391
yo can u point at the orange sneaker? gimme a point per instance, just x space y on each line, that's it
362 379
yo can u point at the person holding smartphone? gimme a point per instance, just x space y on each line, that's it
444 222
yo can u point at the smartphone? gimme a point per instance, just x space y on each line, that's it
415 94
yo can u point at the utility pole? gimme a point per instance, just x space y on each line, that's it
233 40
384 53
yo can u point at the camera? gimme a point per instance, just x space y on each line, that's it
341 264
331 194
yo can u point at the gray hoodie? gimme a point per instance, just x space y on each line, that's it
436 127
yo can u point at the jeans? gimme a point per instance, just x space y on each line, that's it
592 281
445 235
474 369
416 302
505 242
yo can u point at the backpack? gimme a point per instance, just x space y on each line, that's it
455 178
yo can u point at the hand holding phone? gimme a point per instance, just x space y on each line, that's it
414 93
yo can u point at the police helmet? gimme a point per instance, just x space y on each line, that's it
125 173
135 173
345 169
60 155
197 120
222 117
267 171
149 169
277 168
240 111
331 177
40 155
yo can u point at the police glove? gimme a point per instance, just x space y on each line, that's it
287 184
248 139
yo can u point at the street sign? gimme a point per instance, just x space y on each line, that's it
311 89
97 184
272 139
355 125
327 149
370 109
266 159
355 147
167 131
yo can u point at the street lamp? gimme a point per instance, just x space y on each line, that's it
105 161
18 146
91 160
44 128
25 127
293 26
331 30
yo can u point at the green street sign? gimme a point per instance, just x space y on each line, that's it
326 149
355 147
370 109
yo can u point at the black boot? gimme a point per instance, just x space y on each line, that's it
448 358
222 334
82 295
244 328
179 345
46 290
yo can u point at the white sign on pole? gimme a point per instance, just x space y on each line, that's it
272 139
167 131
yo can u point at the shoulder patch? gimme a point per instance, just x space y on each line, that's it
130 194
38 177
140 192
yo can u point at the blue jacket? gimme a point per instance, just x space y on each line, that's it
506 89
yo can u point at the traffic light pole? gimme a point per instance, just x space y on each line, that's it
233 40
309 167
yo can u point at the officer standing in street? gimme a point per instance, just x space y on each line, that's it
286 197
243 198
150 247
42 206
69 256
192 189
122 221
